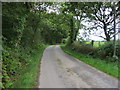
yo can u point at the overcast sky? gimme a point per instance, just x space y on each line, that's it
93 37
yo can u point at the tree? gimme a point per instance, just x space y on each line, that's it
102 15
74 9
14 22
55 28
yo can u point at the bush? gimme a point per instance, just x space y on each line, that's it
10 66
64 40
68 42
118 48
82 47
104 52
107 50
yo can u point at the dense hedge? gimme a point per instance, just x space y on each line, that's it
82 47
106 51
103 52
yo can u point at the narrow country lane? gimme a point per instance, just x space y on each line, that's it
59 70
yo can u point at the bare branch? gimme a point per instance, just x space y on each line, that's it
100 36
110 21
115 34
98 18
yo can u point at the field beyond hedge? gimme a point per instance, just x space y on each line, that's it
96 44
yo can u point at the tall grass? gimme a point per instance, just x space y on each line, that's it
110 68
29 76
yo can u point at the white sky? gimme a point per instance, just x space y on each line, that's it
91 37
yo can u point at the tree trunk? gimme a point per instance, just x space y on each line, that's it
76 31
114 54
106 34
71 31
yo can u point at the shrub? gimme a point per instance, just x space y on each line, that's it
64 40
82 47
68 41
118 48
107 50
10 66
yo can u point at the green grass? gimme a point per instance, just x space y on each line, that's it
96 44
110 68
29 76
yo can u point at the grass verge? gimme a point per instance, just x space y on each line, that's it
110 68
29 76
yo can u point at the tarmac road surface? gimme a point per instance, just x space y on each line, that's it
60 70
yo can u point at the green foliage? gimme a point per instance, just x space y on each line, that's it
17 65
28 78
13 22
32 30
11 62
57 26
68 41
83 48
6 82
106 51
10 67
25 29
74 11
27 26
